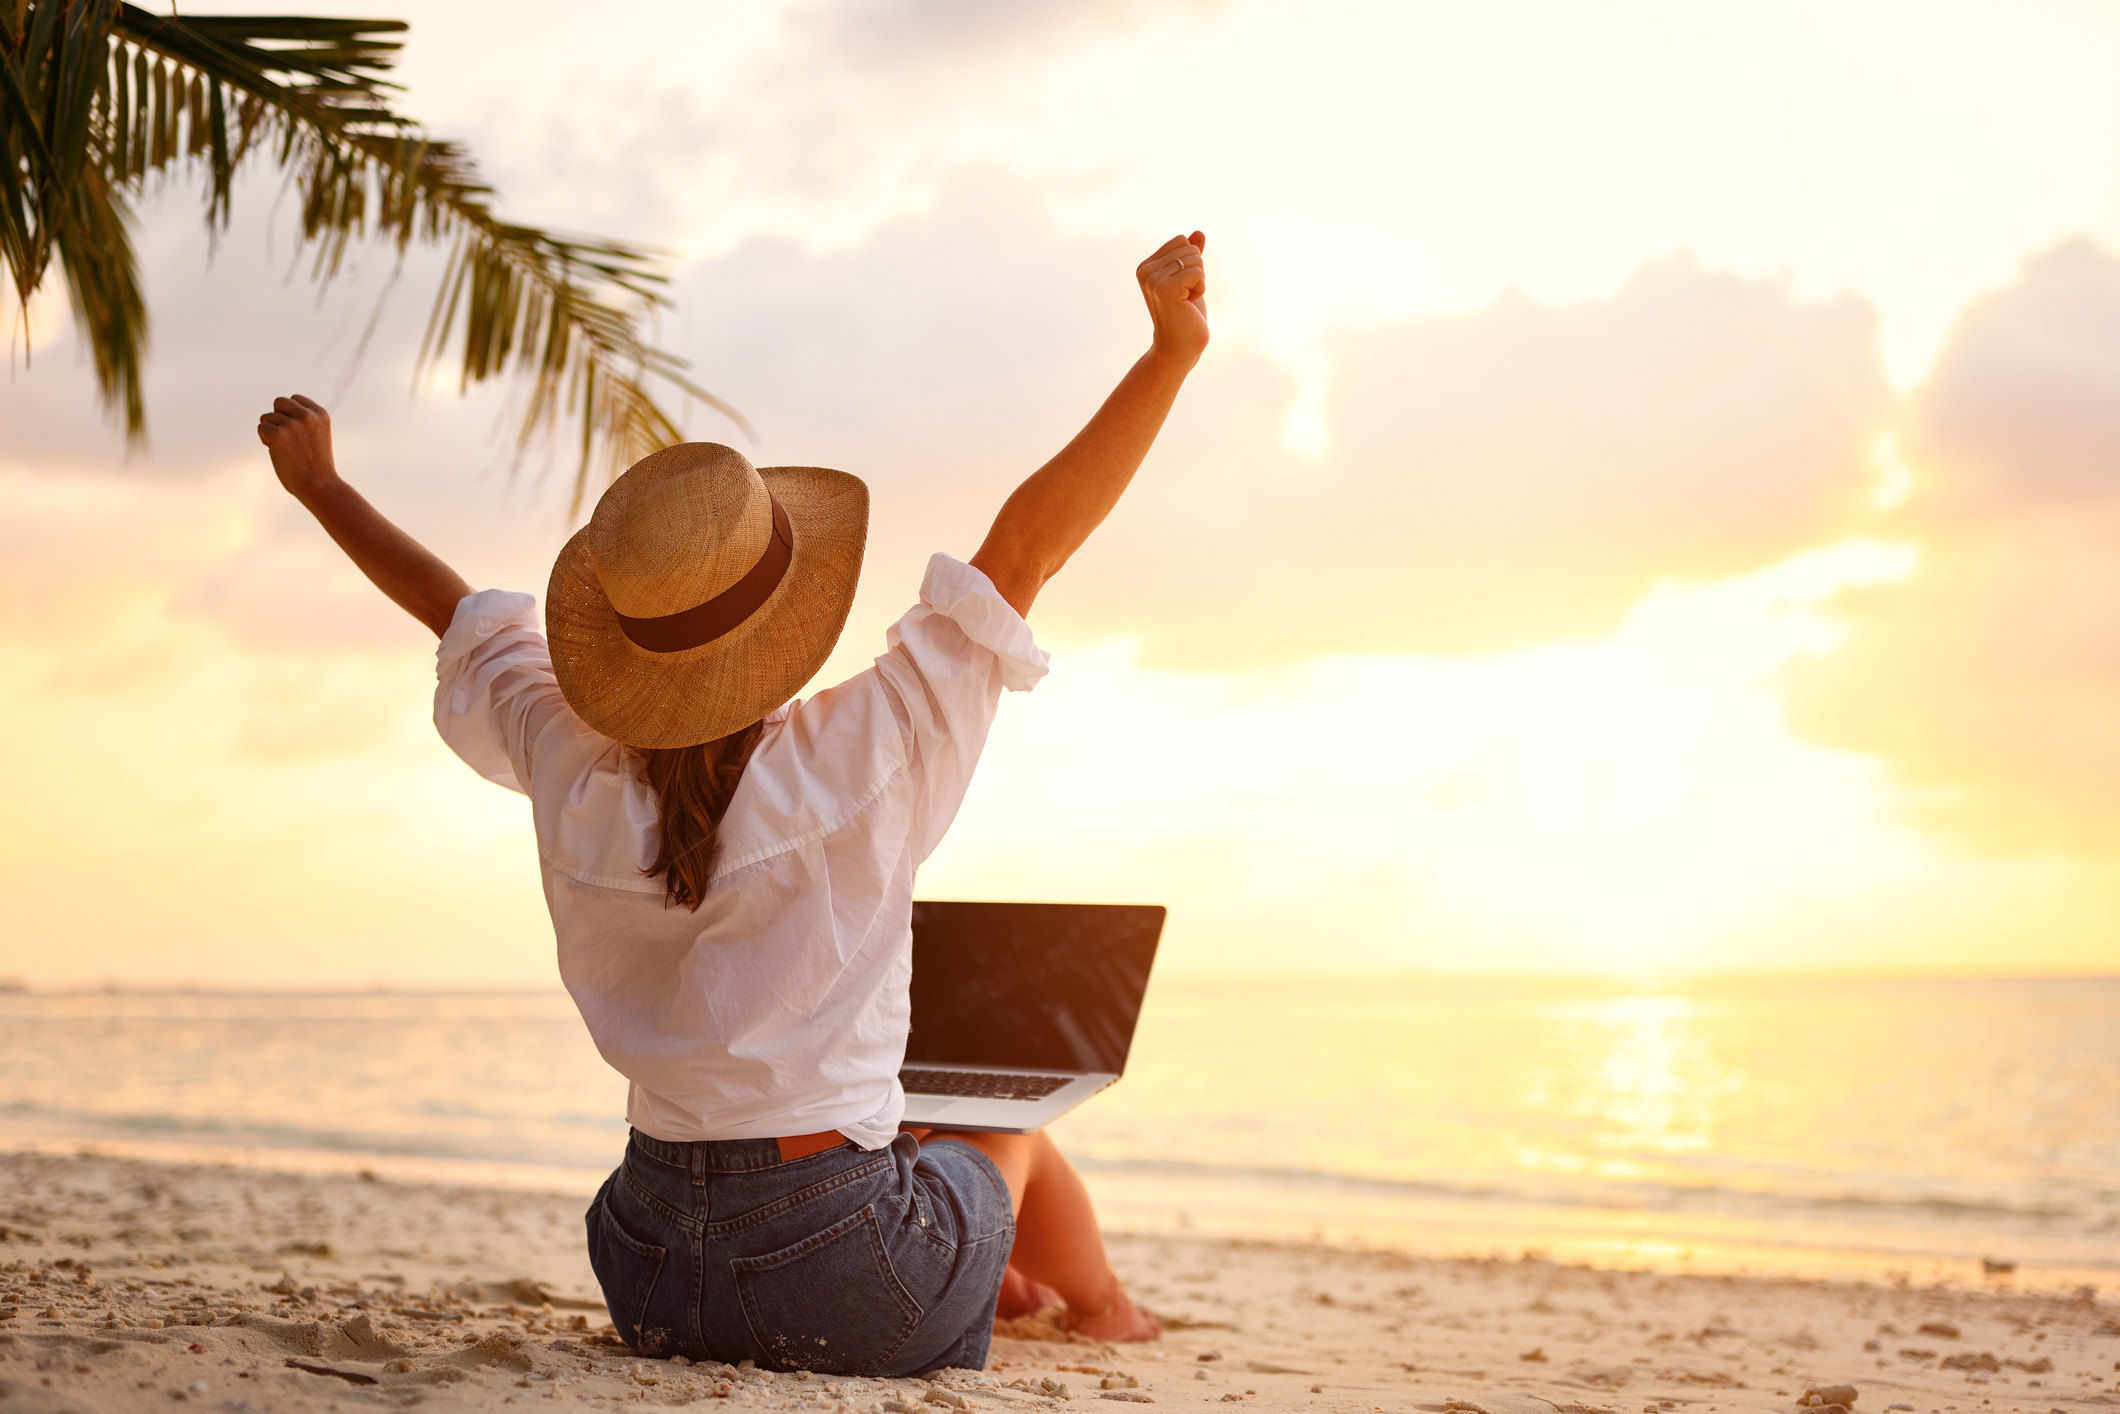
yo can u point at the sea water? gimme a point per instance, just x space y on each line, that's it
1961 1130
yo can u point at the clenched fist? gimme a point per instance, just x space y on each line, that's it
1174 282
298 434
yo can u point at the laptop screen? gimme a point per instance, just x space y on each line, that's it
1036 985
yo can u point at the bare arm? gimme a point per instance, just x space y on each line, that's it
298 434
1048 517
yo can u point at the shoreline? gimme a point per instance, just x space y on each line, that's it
127 1284
1264 1208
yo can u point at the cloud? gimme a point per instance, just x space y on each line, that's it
1517 474
814 121
1514 475
182 575
1525 472
196 518
1991 679
2021 413
881 35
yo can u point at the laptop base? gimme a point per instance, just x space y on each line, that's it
1002 1116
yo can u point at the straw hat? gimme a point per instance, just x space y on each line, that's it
702 593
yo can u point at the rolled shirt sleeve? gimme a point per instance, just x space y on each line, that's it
494 686
946 664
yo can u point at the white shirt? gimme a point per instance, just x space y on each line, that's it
780 1006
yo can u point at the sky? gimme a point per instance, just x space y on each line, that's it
1650 505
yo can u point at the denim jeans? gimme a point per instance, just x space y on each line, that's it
885 1262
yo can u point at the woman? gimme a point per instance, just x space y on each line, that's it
730 873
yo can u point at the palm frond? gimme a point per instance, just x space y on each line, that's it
103 284
105 86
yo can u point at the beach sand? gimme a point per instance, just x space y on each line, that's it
128 1286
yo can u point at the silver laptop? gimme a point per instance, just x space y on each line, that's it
1021 1011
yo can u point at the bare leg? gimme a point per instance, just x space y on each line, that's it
1057 1241
1020 1296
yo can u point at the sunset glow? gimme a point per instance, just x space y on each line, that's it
1647 509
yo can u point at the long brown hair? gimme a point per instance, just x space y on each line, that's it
693 786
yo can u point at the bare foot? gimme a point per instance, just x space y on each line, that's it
1120 1321
1020 1296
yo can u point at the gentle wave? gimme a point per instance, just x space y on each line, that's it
1628 1197
607 1136
217 1133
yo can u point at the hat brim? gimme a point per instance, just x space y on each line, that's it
648 699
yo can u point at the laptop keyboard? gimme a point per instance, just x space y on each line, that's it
980 1085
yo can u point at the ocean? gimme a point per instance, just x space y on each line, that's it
1962 1131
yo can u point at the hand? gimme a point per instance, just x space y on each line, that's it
1174 282
298 434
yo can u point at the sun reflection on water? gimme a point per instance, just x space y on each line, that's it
1635 1076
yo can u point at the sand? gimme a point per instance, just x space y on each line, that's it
131 1286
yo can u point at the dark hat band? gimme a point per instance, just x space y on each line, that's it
703 623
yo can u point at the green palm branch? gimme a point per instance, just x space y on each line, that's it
99 95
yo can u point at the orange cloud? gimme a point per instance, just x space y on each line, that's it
1514 475
1526 472
1518 474
1991 678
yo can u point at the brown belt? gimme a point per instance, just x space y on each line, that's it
801 1146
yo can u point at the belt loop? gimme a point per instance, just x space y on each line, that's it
699 1164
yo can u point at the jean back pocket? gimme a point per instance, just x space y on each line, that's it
626 1268
830 1302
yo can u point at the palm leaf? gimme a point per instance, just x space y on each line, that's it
106 88
103 284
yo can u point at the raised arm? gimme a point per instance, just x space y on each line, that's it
1048 517
298 434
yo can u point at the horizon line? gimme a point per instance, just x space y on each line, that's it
20 985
